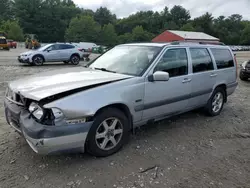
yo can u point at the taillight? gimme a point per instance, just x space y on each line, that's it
236 64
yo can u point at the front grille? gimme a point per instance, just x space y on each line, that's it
15 97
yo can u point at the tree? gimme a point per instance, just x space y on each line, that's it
187 27
245 37
108 35
48 19
87 12
104 16
83 29
139 35
125 38
204 23
179 16
6 12
13 30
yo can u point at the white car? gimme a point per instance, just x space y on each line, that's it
52 53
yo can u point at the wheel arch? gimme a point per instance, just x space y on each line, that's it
40 56
75 54
224 87
122 107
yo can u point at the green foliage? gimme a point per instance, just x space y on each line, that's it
104 16
179 16
13 30
187 27
46 18
57 20
125 38
140 35
245 37
83 29
108 35
204 23
6 10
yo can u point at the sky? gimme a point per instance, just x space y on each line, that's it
123 8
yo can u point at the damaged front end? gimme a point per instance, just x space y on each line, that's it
45 130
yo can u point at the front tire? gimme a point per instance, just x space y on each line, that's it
37 60
216 102
75 59
109 132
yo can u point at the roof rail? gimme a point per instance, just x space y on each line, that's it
208 43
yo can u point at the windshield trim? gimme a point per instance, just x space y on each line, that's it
142 73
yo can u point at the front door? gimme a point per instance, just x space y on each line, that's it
163 98
52 53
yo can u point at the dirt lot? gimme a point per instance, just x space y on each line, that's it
191 150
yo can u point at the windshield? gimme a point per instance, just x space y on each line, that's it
44 47
3 41
127 59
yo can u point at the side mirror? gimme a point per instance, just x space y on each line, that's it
159 76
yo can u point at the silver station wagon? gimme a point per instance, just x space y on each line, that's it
94 108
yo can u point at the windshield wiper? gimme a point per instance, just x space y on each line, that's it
103 69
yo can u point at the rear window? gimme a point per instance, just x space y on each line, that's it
223 58
2 41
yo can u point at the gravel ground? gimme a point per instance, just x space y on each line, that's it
190 150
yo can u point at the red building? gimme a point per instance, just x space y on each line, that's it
171 36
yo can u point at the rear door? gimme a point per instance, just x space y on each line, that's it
203 76
66 51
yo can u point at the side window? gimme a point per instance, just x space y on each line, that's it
52 47
201 60
223 58
66 46
174 61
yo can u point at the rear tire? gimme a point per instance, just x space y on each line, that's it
37 60
75 59
216 102
109 132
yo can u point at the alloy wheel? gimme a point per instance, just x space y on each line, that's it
109 133
217 102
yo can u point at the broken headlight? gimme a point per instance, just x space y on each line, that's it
36 110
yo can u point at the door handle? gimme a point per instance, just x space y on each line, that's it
213 75
186 80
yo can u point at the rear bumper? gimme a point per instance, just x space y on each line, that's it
46 139
231 88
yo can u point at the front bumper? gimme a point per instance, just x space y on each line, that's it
23 59
245 72
46 139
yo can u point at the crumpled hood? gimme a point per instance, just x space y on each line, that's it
49 83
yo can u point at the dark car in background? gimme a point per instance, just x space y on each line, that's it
245 70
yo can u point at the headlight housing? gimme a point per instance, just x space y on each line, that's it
243 65
36 110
